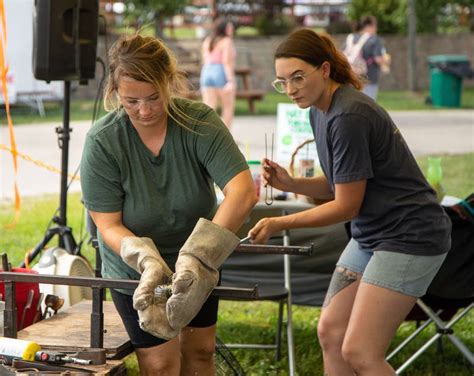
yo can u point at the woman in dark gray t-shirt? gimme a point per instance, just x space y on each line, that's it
400 234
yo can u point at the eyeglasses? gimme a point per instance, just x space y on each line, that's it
134 103
298 81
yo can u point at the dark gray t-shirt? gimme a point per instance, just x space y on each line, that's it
357 140
372 47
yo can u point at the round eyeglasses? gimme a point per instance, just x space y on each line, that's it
134 103
298 81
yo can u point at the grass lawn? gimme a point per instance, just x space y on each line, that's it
253 322
82 109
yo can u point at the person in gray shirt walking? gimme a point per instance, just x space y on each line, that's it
374 53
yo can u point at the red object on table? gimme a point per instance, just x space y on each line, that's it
22 290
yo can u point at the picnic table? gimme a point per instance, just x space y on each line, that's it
244 85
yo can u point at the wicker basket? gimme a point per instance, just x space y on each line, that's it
293 172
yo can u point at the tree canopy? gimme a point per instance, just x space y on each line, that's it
432 15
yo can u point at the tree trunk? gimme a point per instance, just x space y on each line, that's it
412 82
159 22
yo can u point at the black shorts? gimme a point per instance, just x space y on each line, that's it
206 317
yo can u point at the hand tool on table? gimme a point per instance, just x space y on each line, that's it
96 356
29 302
43 368
38 308
54 303
53 357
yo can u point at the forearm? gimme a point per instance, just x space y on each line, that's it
316 187
379 60
229 73
111 228
113 236
229 63
323 215
235 209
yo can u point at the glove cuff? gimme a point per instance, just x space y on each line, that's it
136 251
210 243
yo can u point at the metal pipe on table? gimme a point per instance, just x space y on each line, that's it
97 284
275 249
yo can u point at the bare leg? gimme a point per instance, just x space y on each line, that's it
375 318
197 351
227 98
210 97
335 318
160 360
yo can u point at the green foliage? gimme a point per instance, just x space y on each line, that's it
278 25
166 8
145 11
390 14
427 14
432 16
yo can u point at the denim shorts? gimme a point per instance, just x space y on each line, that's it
206 317
213 75
408 274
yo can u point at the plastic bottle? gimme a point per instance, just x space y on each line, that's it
18 348
435 176
256 171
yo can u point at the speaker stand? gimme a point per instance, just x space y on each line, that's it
66 238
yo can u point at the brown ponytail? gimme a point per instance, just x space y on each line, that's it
315 49
218 32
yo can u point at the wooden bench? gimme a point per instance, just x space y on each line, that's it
251 96
247 92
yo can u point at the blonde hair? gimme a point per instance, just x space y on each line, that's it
147 59
315 49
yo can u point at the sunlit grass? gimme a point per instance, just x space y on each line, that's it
83 109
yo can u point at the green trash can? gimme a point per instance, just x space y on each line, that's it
447 72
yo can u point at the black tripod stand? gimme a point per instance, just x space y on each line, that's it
66 239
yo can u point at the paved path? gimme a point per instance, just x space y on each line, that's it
426 132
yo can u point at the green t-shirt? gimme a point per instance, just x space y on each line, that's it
161 197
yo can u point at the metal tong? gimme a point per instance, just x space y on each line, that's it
268 198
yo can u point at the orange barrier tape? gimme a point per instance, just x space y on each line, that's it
3 74
38 162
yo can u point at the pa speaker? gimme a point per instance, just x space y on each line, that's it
65 39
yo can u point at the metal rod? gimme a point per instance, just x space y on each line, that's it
275 249
245 240
97 318
10 309
97 285
10 277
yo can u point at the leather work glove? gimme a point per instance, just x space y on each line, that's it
142 255
197 274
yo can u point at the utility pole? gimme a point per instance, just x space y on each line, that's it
412 82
